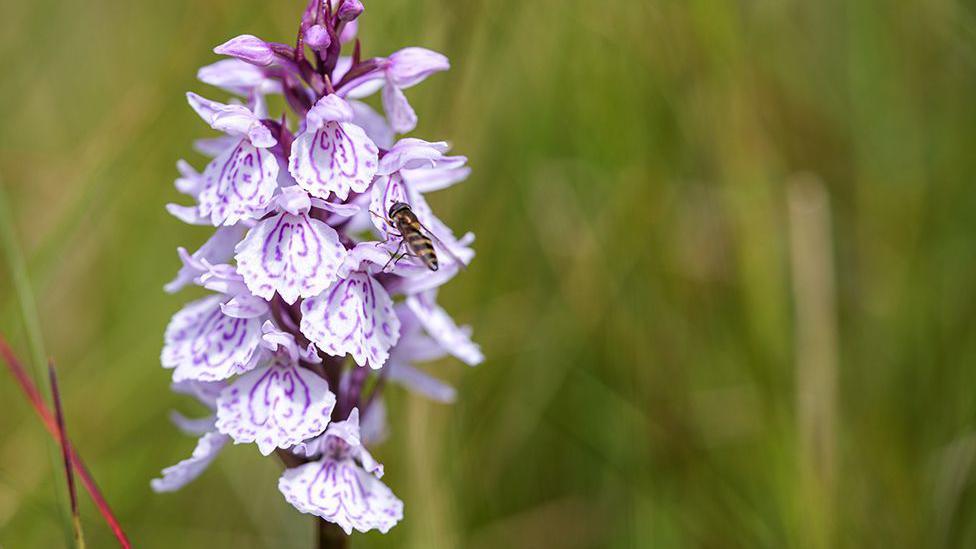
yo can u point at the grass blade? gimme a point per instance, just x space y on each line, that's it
68 471
50 422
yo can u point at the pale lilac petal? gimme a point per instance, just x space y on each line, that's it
192 426
218 249
276 407
204 107
330 108
205 392
190 181
369 463
341 210
402 117
294 255
204 344
373 124
237 77
240 184
181 474
187 214
410 66
449 171
332 155
342 493
278 341
222 278
239 120
421 382
215 146
355 316
347 429
375 428
245 306
247 48
442 328
411 153
294 200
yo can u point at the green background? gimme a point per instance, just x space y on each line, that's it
724 277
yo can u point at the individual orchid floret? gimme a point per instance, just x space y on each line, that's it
279 405
206 344
404 69
343 487
290 253
215 337
332 155
355 316
240 182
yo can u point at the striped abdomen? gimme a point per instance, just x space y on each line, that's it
417 242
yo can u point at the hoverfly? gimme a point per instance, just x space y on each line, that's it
418 239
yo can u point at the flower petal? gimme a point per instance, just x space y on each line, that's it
276 407
295 255
192 426
402 117
239 184
442 328
237 77
410 66
218 249
247 48
342 493
356 317
179 475
204 344
335 158
373 124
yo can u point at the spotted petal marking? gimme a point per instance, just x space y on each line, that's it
204 344
276 407
342 493
181 474
238 184
337 158
292 254
356 317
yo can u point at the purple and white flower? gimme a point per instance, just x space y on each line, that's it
301 267
343 485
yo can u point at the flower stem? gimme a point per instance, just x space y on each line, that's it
330 535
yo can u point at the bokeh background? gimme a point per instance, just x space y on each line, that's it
724 283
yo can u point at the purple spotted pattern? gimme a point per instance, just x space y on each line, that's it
294 345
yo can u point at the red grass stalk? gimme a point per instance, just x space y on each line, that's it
68 470
50 422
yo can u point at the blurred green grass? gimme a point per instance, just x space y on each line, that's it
635 289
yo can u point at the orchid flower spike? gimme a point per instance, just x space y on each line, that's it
312 298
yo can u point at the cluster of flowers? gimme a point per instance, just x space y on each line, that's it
301 265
